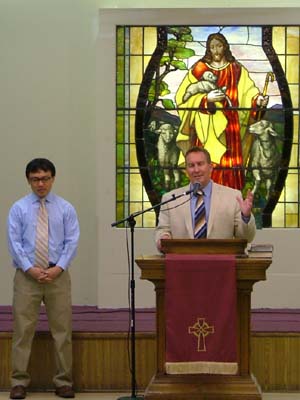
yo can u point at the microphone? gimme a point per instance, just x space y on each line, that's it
196 188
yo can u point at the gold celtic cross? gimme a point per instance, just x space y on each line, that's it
201 329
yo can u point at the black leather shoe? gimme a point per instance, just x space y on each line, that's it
18 392
65 391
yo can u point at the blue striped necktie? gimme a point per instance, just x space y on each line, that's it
200 230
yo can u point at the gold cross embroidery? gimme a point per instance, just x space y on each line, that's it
201 329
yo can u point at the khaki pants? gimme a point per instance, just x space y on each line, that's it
27 298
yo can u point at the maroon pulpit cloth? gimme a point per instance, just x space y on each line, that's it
201 314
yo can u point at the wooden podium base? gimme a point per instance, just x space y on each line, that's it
202 387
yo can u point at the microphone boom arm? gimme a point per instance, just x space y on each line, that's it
137 213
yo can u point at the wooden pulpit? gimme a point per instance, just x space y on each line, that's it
241 386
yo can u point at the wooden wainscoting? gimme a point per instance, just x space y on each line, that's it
275 361
101 361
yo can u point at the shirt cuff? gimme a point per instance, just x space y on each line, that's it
26 265
245 219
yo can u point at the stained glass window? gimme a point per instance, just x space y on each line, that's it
152 63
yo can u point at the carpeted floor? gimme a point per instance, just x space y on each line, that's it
93 319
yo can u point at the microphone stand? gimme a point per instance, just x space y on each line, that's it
131 222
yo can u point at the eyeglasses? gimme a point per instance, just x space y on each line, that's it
43 179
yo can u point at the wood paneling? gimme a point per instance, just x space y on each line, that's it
101 361
275 360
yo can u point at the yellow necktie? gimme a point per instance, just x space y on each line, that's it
41 240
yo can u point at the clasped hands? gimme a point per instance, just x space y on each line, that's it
43 275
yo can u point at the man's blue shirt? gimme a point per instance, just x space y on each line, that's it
63 231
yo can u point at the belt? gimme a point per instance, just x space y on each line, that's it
51 265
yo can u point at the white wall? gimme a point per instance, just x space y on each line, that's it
57 100
47 106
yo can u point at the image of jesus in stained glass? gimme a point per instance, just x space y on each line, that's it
217 118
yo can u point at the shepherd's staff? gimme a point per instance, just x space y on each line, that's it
269 77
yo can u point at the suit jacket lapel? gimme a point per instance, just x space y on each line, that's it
213 207
186 209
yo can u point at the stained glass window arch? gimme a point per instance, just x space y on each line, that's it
152 61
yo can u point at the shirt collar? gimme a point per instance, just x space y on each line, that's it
206 189
36 198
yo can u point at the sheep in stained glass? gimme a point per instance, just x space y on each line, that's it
168 153
205 85
265 156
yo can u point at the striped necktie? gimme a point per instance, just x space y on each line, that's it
41 240
200 230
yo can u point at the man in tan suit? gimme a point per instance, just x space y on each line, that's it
228 215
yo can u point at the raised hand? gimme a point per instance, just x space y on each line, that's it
246 204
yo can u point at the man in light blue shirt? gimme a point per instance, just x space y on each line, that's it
34 284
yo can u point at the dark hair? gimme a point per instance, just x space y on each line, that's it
221 38
197 149
38 164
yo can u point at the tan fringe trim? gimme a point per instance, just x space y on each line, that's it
201 367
